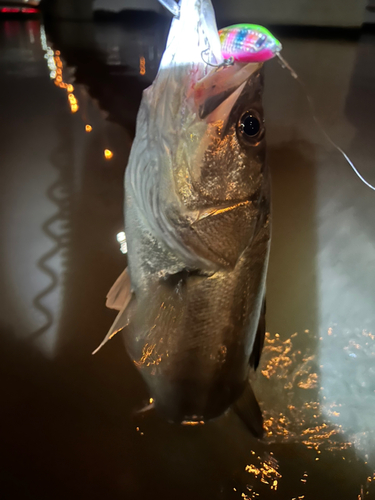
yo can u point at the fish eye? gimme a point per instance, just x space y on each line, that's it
249 126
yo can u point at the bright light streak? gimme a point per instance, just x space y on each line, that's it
10 10
121 238
29 10
43 39
16 10
72 99
55 65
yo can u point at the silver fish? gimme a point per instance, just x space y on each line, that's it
197 223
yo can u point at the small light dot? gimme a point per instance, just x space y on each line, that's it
108 154
88 128
121 237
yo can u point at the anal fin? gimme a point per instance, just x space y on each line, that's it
247 408
259 338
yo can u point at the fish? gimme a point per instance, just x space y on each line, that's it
191 301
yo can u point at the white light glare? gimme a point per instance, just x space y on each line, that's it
121 238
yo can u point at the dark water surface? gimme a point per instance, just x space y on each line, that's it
68 424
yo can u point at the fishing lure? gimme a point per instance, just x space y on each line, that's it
247 43
251 43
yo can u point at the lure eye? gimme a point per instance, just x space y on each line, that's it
249 125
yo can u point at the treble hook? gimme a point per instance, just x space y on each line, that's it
224 64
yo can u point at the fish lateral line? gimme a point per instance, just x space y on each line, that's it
221 210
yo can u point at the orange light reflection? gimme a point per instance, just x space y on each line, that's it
142 66
108 154
56 66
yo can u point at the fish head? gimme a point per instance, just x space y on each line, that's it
221 155
200 138
208 123
216 164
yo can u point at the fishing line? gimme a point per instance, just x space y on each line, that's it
286 65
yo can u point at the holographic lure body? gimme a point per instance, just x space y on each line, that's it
248 43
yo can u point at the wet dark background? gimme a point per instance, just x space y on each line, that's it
69 427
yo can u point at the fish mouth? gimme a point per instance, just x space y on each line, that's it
220 89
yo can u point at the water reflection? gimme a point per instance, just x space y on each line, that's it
57 193
108 155
56 67
292 375
126 56
267 472
41 179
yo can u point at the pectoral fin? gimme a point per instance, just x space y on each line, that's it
120 298
122 321
247 408
120 293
